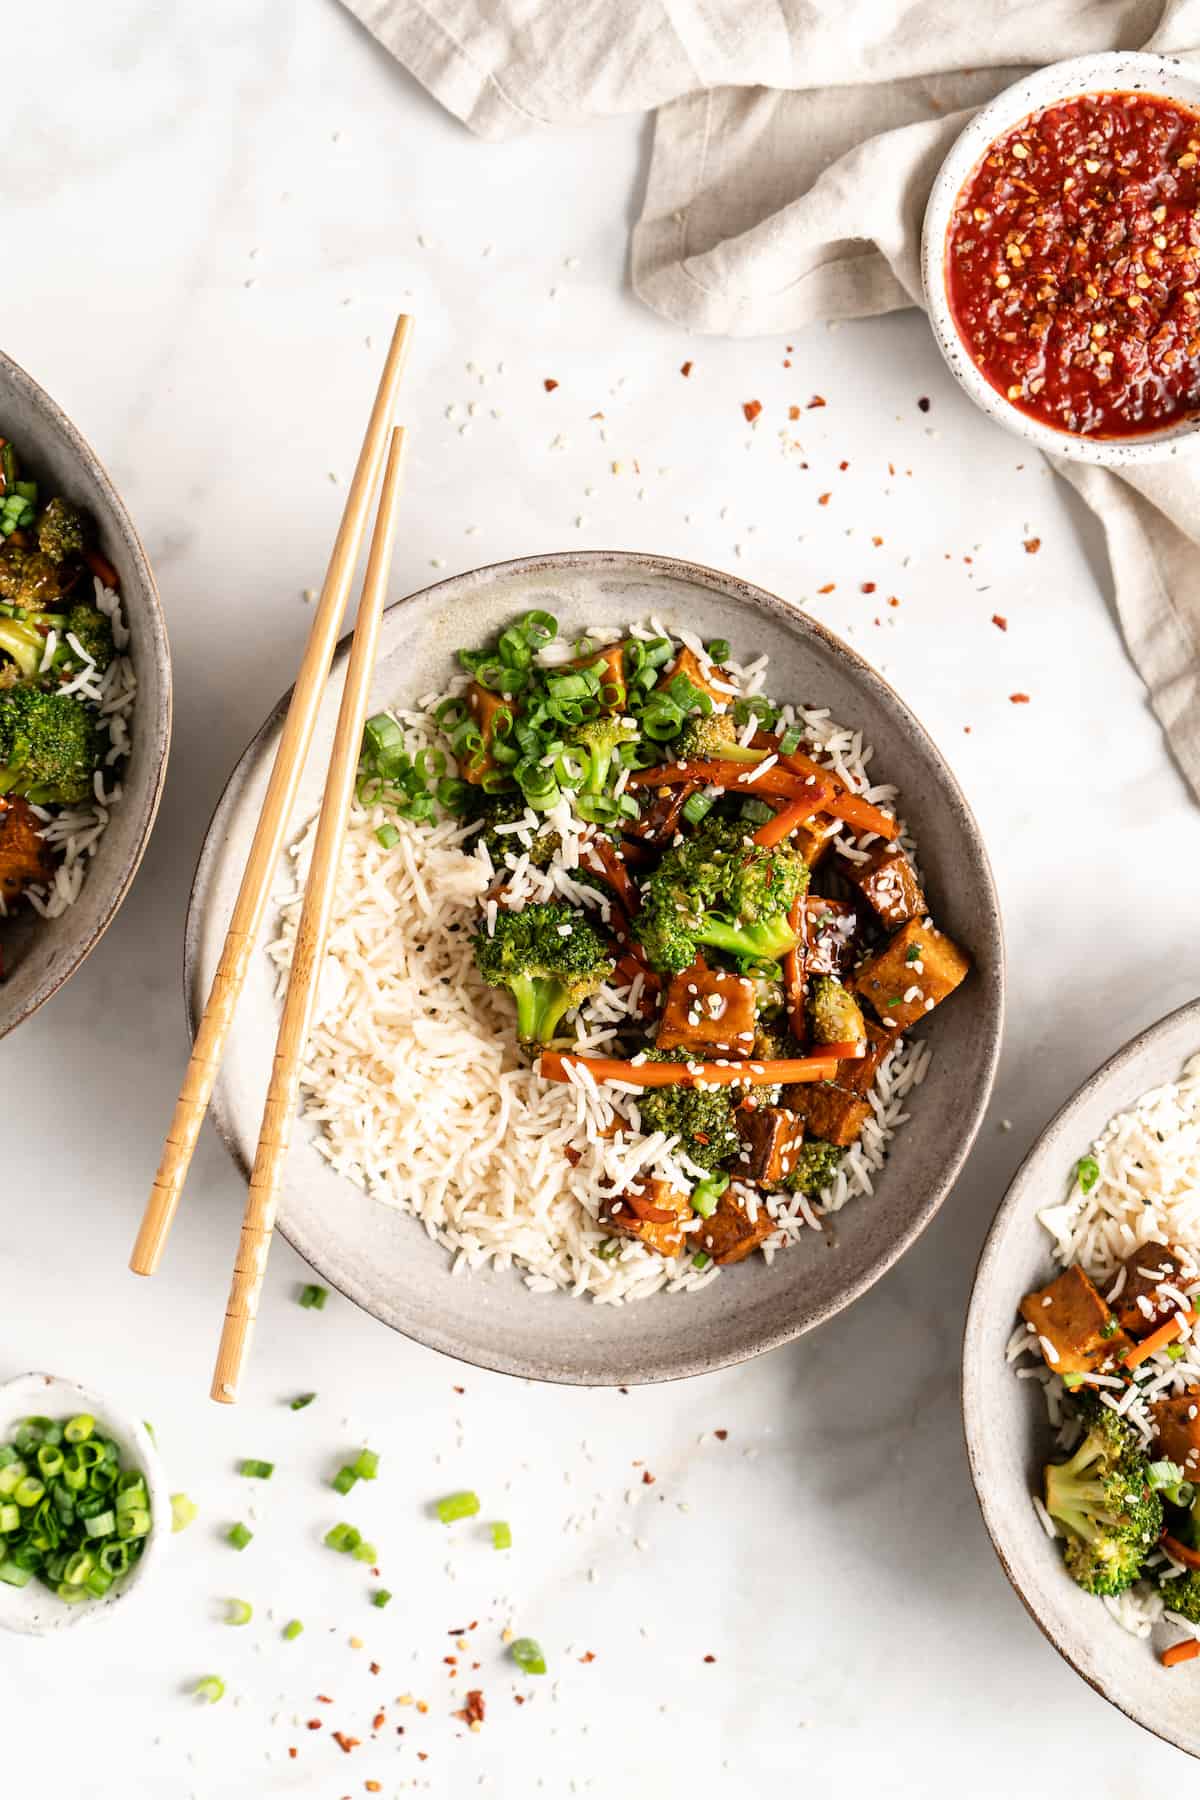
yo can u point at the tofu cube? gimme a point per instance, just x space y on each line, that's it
24 858
612 676
832 936
913 973
710 1012
1177 1421
858 1073
1074 1319
828 1110
888 881
771 1136
814 840
1141 1306
652 1213
731 1234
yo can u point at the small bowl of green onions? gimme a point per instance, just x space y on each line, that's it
84 1511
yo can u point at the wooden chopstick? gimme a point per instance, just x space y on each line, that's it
262 1201
290 759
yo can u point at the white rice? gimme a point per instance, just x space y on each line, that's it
74 833
1148 1191
421 1097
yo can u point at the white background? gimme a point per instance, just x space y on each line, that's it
211 216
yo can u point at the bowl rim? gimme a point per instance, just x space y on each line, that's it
82 449
122 1424
970 1417
1140 70
761 600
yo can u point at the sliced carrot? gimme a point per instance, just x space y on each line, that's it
789 817
554 1067
845 805
742 778
1166 1334
102 569
1180 1653
616 874
1181 1552
793 971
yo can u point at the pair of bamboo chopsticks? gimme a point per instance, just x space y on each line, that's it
263 1196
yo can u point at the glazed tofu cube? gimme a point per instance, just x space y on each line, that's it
912 974
710 1012
858 1073
652 1213
484 705
771 1136
731 1233
888 881
1073 1318
612 676
813 840
832 930
1177 1421
1141 1305
24 858
714 682
828 1110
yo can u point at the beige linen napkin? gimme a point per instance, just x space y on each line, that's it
794 146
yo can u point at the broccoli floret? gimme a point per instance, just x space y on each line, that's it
49 746
25 645
713 736
61 530
833 1013
701 1119
507 809
601 738
720 891
1182 1594
815 1166
92 630
1103 1500
549 958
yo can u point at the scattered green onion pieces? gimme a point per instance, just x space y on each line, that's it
381 1596
301 1401
457 1506
313 1297
239 1535
697 807
1087 1173
256 1468
501 1535
707 1193
343 1537
1163 1475
292 1629
388 836
69 1514
80 1428
701 1259
240 1612
344 1480
366 1465
1072 1380
210 1689
365 1553
789 743
1176 1352
528 1656
719 650
183 1511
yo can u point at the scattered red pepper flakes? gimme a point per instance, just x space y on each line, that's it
452 1660
999 621
1032 546
824 499
596 415
374 1667
868 587
378 1722
721 1434
325 1699
924 403
549 385
710 1659
422 1756
967 730
877 541
817 400
647 1478
793 412
892 600
292 1750
1019 699
686 368
588 1656
314 1724
828 588
344 1743
751 408
843 466
459 1390
372 1787
786 363
520 1699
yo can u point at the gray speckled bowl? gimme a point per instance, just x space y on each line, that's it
1005 1419
40 954
381 1258
1116 71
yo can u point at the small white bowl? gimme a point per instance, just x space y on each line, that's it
1117 71
33 1609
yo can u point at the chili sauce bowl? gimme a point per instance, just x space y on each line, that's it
1113 72
35 1609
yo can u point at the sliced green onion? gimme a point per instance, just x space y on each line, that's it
240 1612
183 1512
28 1491
366 1465
381 1596
365 1553
12 1574
78 1567
707 1193
256 1468
720 650
49 1461
211 1688
344 1480
462 1505
292 1629
133 1524
1163 1475
609 1248
73 1596
1072 1380
697 807
343 1537
239 1535
98 1582
701 1259
301 1401
313 1296
757 812
528 1656
80 1428
1176 1352
10 1517
538 628
790 741
1087 1173
501 1535
388 836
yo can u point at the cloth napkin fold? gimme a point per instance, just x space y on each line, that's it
795 142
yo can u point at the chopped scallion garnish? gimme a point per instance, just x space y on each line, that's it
501 1535
380 1597
211 1688
527 1654
254 1467
313 1296
292 1629
183 1511
240 1613
457 1506
239 1535
301 1401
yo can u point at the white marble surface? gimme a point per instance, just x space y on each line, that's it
209 213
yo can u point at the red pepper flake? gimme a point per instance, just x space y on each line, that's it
721 1434
452 1660
459 1390
347 1744
1019 699
549 385
817 400
824 499
967 730
292 1750
751 408
828 588
422 1756
877 541
314 1724
843 466
475 1707
793 412
686 368
786 363
378 1722
999 621
710 1659
924 403
647 1478
868 587
372 1787
325 1699
892 600
596 415
588 1656
1032 546
520 1699
374 1667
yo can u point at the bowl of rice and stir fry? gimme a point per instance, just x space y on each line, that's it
634 972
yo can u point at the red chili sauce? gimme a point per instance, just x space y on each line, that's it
1073 265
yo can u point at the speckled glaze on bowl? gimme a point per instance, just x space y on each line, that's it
33 1609
381 1258
40 954
1005 1419
1117 71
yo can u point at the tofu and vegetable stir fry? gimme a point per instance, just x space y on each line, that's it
703 923
64 689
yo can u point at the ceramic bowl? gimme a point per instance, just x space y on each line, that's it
1110 72
383 1259
33 1609
1008 1439
39 954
